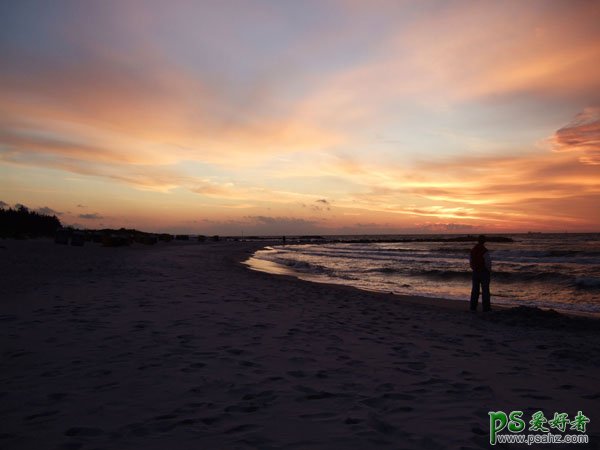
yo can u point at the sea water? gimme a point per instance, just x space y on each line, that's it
558 271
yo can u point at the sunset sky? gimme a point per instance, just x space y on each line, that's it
298 117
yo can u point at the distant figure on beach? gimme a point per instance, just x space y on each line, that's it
283 239
481 265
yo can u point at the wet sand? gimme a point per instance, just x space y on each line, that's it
181 346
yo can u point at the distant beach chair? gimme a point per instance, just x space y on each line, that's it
114 240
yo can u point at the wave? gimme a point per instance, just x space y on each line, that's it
587 283
451 250
509 277
363 252
563 269
438 272
378 255
298 265
542 254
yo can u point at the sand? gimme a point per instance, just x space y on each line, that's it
180 346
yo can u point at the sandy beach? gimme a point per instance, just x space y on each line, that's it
181 346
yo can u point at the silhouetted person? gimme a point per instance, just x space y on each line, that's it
481 264
283 239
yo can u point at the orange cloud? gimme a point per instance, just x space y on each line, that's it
155 115
534 191
468 52
582 135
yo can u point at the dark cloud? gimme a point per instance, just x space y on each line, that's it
582 135
81 206
284 221
321 205
369 225
262 225
93 216
446 227
48 211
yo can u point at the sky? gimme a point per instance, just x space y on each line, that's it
303 117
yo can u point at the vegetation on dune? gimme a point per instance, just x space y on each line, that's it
20 222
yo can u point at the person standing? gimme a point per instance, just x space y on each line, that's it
481 265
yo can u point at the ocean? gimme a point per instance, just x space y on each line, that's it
556 271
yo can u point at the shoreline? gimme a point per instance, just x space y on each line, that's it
273 268
184 346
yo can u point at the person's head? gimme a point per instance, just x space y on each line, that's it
481 239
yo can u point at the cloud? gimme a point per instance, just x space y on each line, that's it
535 190
281 221
207 187
263 225
581 135
367 104
117 110
322 205
3 204
277 225
447 227
93 216
438 211
48 211
150 110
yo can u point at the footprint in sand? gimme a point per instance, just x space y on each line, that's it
318 416
380 425
241 428
234 351
352 421
193 367
57 396
312 394
84 432
42 415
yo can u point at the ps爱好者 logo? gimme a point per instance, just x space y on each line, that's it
559 429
